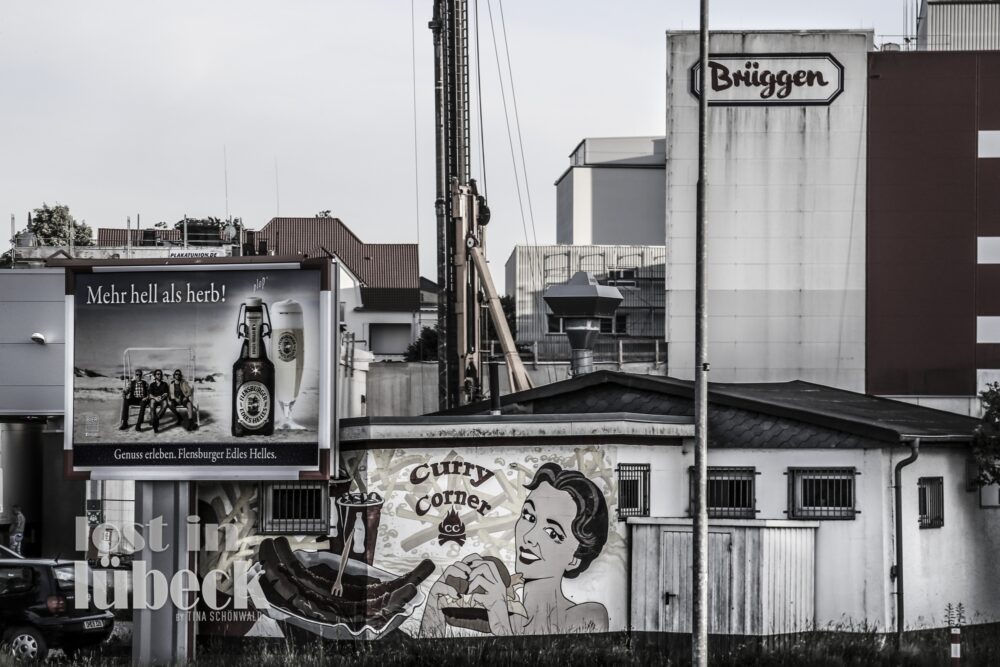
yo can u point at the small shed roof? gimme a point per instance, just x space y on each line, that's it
862 415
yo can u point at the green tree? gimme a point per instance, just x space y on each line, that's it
986 444
424 348
324 214
54 225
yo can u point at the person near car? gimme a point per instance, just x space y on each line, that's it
17 530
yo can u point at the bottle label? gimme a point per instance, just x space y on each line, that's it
253 405
255 320
286 347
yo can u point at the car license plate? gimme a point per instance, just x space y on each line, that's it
93 625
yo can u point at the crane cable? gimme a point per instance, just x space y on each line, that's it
416 160
479 100
517 124
510 139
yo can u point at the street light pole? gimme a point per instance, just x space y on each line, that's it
699 611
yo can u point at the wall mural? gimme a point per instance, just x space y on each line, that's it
438 542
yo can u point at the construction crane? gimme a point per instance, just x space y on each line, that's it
464 281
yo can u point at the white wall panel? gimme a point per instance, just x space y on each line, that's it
988 329
989 143
786 213
988 250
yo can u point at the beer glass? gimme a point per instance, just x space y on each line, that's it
288 357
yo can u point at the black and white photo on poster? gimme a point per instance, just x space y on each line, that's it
180 368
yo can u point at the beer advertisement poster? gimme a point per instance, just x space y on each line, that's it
196 368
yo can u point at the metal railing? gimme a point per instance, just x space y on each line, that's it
633 490
731 492
606 350
822 493
296 508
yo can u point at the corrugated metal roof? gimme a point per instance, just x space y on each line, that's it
377 265
117 236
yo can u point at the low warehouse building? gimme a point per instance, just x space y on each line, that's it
570 512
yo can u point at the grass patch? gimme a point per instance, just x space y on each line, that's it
980 646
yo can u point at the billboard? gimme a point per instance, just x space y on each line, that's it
208 370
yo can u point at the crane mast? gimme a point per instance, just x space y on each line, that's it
461 218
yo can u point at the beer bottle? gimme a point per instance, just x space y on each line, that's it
253 373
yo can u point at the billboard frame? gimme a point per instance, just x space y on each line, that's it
329 337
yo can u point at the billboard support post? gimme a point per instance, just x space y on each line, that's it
163 636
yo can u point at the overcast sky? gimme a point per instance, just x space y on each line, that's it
119 108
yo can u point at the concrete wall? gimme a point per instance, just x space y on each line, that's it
627 206
955 563
31 379
786 209
853 551
358 320
612 193
564 209
948 564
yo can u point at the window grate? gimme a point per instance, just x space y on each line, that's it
731 492
930 498
294 508
822 493
633 490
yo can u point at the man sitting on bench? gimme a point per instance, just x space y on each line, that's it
181 396
136 392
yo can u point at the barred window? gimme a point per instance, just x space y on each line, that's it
821 493
633 490
299 508
930 497
731 492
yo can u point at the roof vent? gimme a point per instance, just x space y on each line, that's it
581 304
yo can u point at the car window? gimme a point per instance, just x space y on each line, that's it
65 578
15 580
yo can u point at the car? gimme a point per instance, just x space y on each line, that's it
39 610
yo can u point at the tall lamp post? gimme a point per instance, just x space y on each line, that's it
699 610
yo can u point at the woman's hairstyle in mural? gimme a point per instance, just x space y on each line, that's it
590 526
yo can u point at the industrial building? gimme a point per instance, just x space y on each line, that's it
612 193
636 270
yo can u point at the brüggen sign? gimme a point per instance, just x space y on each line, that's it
797 79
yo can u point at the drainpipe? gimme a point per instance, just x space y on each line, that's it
914 446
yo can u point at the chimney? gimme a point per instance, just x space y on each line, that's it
581 304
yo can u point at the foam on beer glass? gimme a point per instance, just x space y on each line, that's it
288 357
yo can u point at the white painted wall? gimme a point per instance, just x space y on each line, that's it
786 221
612 193
31 375
359 321
953 563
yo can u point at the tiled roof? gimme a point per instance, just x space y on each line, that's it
377 265
776 414
117 236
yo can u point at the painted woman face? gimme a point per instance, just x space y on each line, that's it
543 535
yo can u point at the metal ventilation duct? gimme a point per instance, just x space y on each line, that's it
581 304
